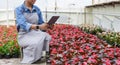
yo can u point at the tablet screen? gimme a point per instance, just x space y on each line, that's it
53 20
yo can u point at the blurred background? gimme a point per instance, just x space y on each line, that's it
104 13
84 27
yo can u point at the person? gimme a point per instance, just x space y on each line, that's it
31 31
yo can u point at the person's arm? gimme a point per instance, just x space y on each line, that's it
21 21
40 16
42 25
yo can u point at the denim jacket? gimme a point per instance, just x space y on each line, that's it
21 21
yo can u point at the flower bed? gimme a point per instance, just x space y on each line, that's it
92 29
71 46
112 38
8 43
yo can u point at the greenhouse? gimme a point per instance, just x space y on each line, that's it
60 32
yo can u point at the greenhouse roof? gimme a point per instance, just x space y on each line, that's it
103 4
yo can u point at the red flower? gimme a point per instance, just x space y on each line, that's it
92 60
81 50
107 61
54 51
118 62
87 47
85 63
53 62
0 44
66 63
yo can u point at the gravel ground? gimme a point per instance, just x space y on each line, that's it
16 61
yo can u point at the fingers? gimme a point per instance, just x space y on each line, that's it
51 26
44 26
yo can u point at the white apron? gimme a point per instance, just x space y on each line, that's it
33 42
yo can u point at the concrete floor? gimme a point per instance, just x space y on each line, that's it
16 61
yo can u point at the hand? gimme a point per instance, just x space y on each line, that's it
51 26
43 26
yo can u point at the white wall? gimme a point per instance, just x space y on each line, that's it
107 16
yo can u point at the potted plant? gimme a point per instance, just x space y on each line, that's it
7 53
7 50
15 51
1 51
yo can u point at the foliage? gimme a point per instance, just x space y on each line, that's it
71 46
92 29
8 40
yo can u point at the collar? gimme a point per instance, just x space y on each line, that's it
26 9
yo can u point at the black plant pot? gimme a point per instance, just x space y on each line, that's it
15 56
7 56
1 56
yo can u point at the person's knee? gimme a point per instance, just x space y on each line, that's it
48 37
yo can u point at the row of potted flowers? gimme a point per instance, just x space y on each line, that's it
71 46
92 29
112 38
8 43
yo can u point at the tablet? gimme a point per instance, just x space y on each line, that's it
53 20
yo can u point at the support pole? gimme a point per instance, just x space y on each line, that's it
7 14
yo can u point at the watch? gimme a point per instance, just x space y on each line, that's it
37 27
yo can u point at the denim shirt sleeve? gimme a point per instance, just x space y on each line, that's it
21 21
40 16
